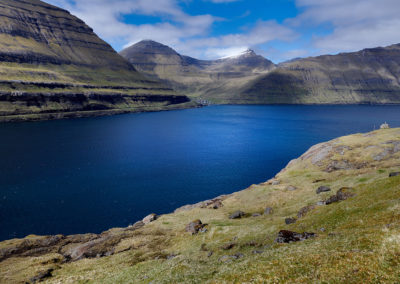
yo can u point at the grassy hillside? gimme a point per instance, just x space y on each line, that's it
48 58
218 81
367 76
356 238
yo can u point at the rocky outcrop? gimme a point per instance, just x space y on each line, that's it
285 236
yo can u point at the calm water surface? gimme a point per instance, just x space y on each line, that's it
87 175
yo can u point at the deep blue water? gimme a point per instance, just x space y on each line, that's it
87 175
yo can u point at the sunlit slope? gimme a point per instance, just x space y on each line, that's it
367 76
218 81
52 62
349 237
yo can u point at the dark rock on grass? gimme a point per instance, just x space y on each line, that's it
210 253
285 236
150 218
395 174
217 204
290 221
319 180
323 189
230 258
195 227
303 211
268 211
256 215
228 246
42 275
342 194
291 188
237 215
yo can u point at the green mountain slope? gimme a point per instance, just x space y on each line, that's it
341 197
367 76
217 81
53 65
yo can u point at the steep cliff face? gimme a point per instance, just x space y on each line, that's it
215 80
367 76
48 57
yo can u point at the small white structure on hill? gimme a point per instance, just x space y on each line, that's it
385 126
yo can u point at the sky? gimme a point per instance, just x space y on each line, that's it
280 30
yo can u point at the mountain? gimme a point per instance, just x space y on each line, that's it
216 80
368 76
331 216
53 65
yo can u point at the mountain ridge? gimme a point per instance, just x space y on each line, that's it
52 65
369 76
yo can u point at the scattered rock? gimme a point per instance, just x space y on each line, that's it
290 221
276 182
291 188
149 218
42 275
394 174
339 165
342 194
228 246
323 189
217 204
319 180
285 236
195 227
237 215
256 215
257 251
230 258
210 253
303 211
322 229
268 211
171 256
321 203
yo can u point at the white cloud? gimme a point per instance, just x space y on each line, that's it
357 24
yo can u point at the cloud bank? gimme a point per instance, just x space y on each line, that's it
349 25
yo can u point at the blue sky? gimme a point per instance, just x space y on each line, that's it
277 29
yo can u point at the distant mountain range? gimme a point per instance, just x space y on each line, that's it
370 76
219 80
53 65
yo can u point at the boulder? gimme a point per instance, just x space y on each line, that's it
42 275
342 194
290 221
275 182
323 189
285 236
303 211
237 215
228 246
268 211
394 174
291 188
195 227
149 218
